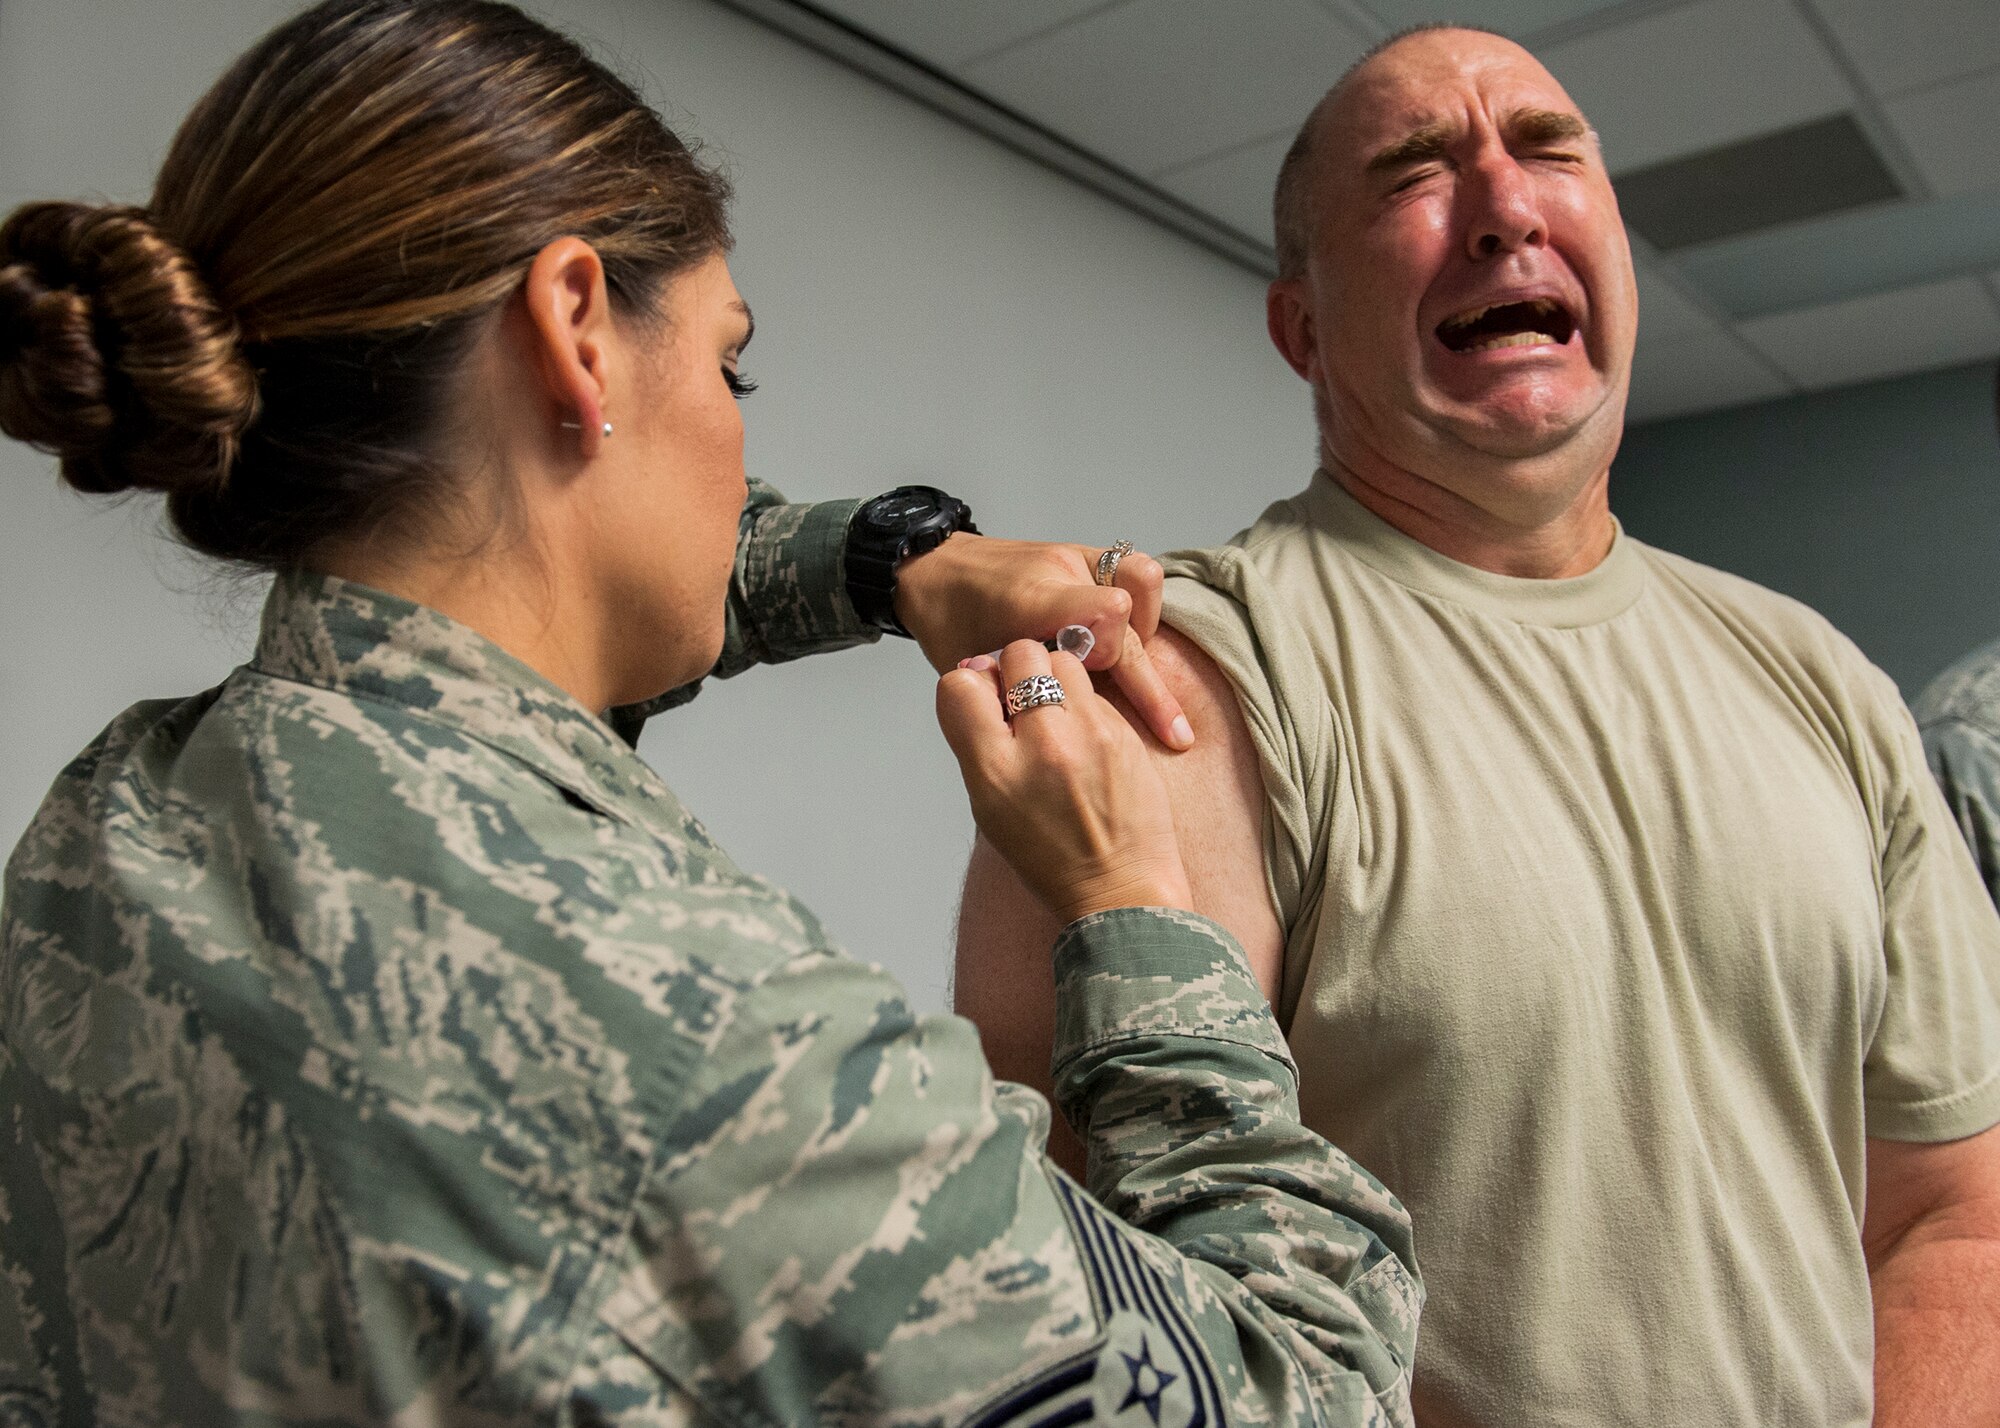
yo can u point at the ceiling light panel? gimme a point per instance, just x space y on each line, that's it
1849 255
1154 84
1953 131
1910 330
1820 167
1899 45
1697 77
949 35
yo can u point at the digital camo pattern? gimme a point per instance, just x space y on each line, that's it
384 1042
1959 715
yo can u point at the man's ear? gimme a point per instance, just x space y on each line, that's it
569 315
1288 315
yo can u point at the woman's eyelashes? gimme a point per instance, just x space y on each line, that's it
740 386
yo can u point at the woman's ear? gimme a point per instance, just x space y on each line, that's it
569 313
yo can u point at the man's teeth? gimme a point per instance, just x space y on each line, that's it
1513 339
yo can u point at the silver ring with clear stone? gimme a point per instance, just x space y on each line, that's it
1033 692
1107 563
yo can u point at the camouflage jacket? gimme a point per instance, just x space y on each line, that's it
384 1042
1959 715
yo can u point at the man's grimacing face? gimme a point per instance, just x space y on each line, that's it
1470 281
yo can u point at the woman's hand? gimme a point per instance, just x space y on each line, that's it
1066 792
975 593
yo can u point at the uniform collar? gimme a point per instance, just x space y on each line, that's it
369 645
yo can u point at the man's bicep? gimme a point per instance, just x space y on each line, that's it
1003 981
1942 1188
1217 790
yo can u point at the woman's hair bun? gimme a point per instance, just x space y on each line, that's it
114 354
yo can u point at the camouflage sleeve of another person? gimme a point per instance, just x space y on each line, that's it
1966 760
787 595
855 1224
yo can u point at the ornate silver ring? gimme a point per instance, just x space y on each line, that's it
1107 563
1033 692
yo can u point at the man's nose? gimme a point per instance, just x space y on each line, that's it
1506 215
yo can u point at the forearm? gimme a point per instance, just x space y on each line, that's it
1170 1066
787 596
1937 1330
847 1201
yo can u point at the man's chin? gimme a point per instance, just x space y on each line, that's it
1525 426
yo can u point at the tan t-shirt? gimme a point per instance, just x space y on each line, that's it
1621 910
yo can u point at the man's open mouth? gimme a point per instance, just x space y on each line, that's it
1507 324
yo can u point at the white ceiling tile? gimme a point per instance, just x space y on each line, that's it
1157 83
1235 187
949 35
1665 315
1698 373
1901 44
1519 18
1950 131
1936 325
1682 80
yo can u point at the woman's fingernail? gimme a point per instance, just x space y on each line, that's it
978 664
1183 732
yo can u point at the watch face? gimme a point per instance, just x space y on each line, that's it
899 508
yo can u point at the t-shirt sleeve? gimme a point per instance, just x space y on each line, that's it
1932 1072
1218 600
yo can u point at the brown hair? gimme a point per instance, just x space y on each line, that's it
272 339
1293 216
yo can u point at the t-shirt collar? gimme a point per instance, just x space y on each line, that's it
1592 598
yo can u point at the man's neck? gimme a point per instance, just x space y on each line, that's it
1572 540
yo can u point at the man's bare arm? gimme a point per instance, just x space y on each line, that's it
1003 981
1932 1235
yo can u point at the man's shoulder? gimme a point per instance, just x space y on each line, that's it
1968 692
1725 589
1780 623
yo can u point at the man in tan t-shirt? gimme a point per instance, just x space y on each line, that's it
1611 912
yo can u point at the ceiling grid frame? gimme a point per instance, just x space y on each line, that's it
1868 110
1040 33
1213 201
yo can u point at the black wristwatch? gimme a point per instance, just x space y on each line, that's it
887 531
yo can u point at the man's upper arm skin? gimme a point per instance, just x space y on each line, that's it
1916 1188
1932 1236
1003 981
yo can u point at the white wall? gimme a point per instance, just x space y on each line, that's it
929 307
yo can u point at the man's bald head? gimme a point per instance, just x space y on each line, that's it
1292 206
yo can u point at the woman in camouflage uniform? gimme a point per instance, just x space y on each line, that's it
383 1041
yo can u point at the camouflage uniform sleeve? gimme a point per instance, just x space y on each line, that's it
854 1224
787 597
1966 760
